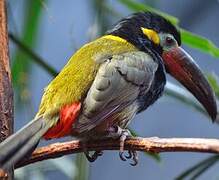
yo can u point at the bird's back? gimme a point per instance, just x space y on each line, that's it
73 82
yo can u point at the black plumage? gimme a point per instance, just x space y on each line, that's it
129 28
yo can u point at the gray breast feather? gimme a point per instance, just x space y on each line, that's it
116 86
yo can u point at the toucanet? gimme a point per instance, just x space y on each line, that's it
107 82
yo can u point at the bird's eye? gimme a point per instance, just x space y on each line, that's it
169 41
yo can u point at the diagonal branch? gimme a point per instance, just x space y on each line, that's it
35 57
152 144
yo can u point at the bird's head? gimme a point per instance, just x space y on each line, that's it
151 32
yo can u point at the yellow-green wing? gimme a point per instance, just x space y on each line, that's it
73 82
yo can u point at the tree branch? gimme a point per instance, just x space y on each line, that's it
152 144
6 93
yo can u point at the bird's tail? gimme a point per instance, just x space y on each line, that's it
22 143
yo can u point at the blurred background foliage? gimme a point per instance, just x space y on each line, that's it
26 20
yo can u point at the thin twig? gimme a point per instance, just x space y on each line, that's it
153 144
33 55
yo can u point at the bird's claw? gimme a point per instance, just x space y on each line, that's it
131 154
134 158
93 157
122 134
125 157
122 157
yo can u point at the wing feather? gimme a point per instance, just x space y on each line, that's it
116 86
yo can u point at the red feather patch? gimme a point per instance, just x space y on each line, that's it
67 117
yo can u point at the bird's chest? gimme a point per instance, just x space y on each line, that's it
113 97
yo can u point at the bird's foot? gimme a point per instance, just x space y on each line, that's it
123 134
93 157
131 155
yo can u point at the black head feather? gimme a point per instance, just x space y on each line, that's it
129 28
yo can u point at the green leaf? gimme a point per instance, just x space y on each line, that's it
21 64
185 97
182 95
33 56
154 156
82 167
213 80
63 164
200 43
199 168
136 6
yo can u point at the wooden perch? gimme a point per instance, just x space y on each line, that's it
153 144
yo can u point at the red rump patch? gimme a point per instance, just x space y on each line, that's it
67 117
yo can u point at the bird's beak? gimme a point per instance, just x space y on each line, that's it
182 67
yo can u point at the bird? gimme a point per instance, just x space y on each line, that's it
106 83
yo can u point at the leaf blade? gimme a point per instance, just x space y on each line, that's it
199 168
136 6
213 80
199 42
